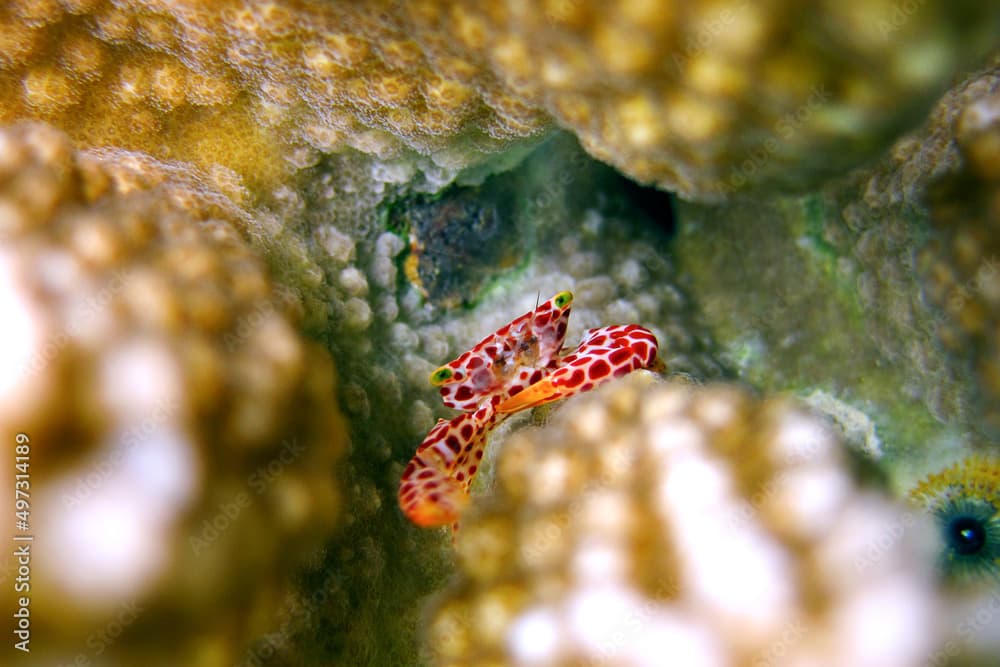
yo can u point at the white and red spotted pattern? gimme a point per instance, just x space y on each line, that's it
517 367
513 357
604 354
435 485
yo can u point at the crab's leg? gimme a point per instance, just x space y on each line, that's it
434 488
530 343
604 354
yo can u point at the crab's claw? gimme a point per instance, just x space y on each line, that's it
434 488
439 507
542 392
604 354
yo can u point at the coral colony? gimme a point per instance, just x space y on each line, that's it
236 238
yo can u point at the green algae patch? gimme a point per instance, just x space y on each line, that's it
781 298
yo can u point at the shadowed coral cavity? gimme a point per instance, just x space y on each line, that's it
461 240
579 234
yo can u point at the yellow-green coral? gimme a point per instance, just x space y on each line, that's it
650 520
704 98
256 87
182 433
708 98
962 263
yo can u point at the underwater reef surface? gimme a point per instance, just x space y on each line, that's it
576 231
962 264
651 519
702 98
201 204
859 297
181 431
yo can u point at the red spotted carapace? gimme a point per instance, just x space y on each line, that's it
519 366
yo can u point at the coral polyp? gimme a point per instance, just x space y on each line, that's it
965 501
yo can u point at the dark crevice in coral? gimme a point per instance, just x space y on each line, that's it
656 204
459 240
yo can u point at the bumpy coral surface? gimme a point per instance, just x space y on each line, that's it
182 434
578 232
840 300
708 98
703 98
651 520
310 117
963 260
831 312
254 88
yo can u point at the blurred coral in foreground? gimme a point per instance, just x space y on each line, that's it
185 434
651 522
182 433
254 89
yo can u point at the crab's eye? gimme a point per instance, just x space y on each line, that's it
441 375
563 299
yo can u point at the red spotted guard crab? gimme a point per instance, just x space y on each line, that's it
516 367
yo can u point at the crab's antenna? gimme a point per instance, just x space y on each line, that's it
531 325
